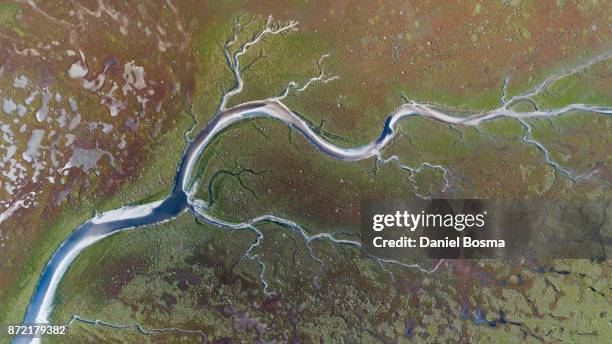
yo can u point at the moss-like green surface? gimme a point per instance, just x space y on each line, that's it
188 275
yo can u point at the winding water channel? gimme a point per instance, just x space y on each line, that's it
181 198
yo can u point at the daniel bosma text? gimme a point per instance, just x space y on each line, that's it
410 221
425 242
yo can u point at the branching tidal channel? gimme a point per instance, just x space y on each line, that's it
183 199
